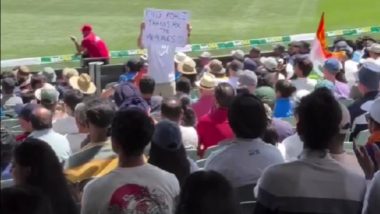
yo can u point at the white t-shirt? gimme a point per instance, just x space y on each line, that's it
292 147
304 84
58 142
189 137
349 162
242 161
66 125
372 198
351 72
161 63
144 189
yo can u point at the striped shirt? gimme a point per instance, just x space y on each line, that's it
315 183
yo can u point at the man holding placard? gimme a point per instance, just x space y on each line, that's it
161 33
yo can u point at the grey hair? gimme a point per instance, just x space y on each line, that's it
80 112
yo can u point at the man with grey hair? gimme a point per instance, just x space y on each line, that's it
247 81
81 121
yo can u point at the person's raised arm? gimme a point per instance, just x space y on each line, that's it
189 28
139 39
77 45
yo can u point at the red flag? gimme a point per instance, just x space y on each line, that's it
321 36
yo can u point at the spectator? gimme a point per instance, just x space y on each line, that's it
243 159
255 54
280 53
63 84
233 69
270 64
284 105
206 87
92 47
67 125
24 113
267 95
250 64
49 74
8 96
168 152
336 147
134 185
189 119
247 80
41 120
183 87
124 91
238 55
146 87
187 68
83 83
23 76
82 138
302 69
36 165
96 157
204 60
373 118
315 170
214 127
369 83
330 70
131 68
294 49
172 110
24 199
207 192
48 97
374 51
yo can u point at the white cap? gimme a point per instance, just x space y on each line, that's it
269 62
373 108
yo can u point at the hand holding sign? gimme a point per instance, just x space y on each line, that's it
166 27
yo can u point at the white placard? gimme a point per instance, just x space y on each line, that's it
167 27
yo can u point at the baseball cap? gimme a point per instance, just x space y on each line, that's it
332 65
373 108
49 74
167 135
247 78
375 48
86 27
369 74
24 111
124 91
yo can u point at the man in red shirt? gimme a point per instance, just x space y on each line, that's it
92 46
214 126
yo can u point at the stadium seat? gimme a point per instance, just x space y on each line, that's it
201 163
245 193
193 154
362 138
247 207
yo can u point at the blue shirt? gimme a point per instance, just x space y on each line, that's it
283 108
128 77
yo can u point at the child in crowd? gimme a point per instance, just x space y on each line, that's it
284 105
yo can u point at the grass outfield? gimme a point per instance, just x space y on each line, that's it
42 27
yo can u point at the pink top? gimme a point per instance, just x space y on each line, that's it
203 106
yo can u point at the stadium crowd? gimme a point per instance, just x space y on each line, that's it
255 135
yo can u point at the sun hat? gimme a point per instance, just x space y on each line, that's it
215 67
167 135
375 48
69 72
187 67
38 92
373 108
83 83
22 70
269 63
180 57
332 65
47 95
206 55
49 74
247 78
238 54
207 82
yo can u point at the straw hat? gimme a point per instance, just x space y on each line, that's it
69 72
180 57
216 67
187 67
83 83
207 82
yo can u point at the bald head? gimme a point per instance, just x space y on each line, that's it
41 118
171 109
